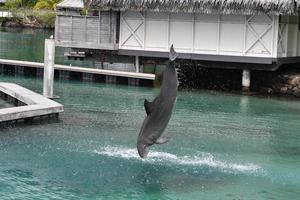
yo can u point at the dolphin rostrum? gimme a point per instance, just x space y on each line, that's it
159 110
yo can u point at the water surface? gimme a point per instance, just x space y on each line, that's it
5 104
28 45
223 146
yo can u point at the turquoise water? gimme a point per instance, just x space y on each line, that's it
223 146
28 45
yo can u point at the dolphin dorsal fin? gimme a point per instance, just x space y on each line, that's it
148 106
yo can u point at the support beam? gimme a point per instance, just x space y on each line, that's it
49 68
246 80
137 64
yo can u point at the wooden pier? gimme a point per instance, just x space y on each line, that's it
137 75
30 104
81 73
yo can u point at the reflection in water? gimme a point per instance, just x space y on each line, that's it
244 104
4 104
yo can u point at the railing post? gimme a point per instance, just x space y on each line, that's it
49 57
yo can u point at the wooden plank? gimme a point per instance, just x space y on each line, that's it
100 29
81 69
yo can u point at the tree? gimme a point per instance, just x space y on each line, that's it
11 4
46 4
29 3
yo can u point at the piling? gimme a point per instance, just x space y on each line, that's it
246 80
64 75
87 77
111 79
133 81
137 64
39 72
20 70
49 68
1 68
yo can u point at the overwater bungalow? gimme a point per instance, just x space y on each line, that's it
257 34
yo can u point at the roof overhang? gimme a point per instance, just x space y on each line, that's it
71 4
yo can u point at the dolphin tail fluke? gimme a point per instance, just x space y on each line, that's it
172 54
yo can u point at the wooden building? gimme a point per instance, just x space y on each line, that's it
76 28
263 34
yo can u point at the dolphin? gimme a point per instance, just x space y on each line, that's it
159 111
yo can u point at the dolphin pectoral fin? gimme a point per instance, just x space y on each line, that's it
148 106
162 140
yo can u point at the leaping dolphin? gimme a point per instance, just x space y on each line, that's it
159 111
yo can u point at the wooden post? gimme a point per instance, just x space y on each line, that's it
99 24
110 21
49 68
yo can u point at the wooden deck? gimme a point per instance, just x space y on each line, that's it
136 75
35 104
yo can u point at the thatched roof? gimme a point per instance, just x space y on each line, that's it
277 7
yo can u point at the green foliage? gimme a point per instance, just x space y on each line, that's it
84 11
46 4
30 18
29 3
2 20
23 15
47 19
12 4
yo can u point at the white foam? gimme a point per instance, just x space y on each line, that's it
204 159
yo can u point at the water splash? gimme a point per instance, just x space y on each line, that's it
202 160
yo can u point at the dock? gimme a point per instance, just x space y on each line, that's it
31 104
136 75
